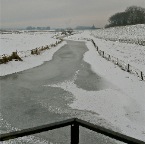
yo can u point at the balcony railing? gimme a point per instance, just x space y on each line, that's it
74 123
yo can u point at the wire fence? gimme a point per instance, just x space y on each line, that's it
21 54
132 41
123 65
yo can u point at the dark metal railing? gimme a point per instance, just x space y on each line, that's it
74 123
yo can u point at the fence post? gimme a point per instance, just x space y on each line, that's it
75 133
103 54
127 67
141 75
117 61
109 58
97 48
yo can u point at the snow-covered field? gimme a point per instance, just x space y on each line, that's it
123 106
131 34
132 54
24 43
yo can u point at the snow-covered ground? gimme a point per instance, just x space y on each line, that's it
123 106
132 54
132 34
24 43
28 62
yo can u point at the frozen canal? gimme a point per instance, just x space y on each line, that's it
27 98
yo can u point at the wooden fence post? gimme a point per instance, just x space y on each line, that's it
141 75
109 58
128 68
97 48
103 54
117 61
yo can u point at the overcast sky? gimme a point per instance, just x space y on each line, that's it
61 13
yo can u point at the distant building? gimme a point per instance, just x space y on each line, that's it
93 27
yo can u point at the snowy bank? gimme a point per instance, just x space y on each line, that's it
122 106
24 42
28 62
128 34
132 54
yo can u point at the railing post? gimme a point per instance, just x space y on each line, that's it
75 133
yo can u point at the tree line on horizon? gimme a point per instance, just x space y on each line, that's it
131 16
37 28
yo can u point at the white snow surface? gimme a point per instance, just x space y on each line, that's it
132 54
28 62
124 105
133 33
24 41
129 53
